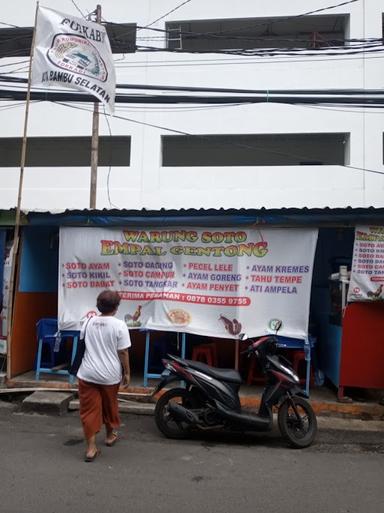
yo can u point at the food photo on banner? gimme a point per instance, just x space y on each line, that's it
212 282
74 53
367 275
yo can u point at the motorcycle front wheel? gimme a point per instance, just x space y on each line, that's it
297 422
167 424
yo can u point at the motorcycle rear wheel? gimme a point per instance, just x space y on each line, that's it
169 426
299 432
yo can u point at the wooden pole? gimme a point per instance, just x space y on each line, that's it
95 140
16 235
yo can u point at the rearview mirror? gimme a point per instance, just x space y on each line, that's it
275 325
278 325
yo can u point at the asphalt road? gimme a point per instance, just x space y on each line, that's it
42 471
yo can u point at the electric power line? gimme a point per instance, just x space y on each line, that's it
264 97
232 62
334 41
13 105
271 52
8 24
226 90
250 52
23 69
264 53
78 8
257 25
278 20
288 18
110 160
13 63
171 108
166 14
180 132
222 33
336 109
15 90
356 46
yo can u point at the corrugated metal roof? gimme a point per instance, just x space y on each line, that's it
220 217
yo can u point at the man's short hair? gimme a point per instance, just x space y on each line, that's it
108 301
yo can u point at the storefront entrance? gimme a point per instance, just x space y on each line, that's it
37 296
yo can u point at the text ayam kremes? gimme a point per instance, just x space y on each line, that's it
69 78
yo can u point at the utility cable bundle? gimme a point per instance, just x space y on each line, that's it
14 89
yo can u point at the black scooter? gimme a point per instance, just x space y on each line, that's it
210 400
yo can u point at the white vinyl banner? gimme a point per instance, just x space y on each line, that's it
215 282
4 319
74 53
367 276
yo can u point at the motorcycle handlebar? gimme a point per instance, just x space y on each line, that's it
247 351
251 347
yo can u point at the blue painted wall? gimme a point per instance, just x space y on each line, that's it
39 259
334 248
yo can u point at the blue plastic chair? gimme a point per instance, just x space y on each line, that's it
48 335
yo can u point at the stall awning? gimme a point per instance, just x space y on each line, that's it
202 217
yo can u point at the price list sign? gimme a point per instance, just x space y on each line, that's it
214 282
367 276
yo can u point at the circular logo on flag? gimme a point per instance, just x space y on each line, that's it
76 54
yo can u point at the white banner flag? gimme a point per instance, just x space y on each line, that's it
214 282
367 276
4 318
74 53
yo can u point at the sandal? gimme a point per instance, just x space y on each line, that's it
115 437
88 459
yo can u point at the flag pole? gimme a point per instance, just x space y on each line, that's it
95 139
16 234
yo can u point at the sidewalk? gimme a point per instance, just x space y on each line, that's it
324 401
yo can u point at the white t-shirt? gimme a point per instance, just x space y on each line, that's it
104 336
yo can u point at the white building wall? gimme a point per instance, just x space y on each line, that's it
145 184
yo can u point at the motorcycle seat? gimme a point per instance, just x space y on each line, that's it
228 375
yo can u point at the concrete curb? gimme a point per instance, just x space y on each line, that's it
347 424
363 411
8 407
124 407
137 396
324 421
54 403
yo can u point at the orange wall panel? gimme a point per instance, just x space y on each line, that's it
29 308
